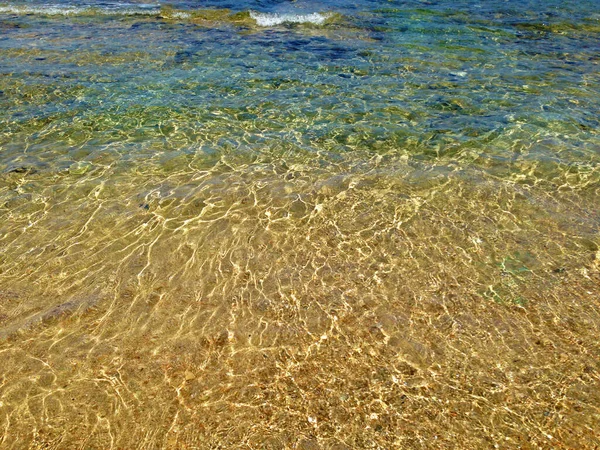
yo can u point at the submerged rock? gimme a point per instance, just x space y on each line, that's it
23 170
189 376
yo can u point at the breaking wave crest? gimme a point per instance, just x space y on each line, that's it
269 20
200 15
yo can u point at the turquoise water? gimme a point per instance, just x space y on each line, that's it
356 224
491 83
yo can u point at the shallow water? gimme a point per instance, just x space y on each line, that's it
359 224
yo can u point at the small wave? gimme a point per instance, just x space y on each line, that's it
75 11
270 20
247 18
177 15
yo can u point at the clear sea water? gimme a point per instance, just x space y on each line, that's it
300 224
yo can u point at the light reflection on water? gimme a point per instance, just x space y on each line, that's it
377 233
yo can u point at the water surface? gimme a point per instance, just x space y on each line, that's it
273 224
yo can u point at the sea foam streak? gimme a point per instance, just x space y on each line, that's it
261 19
269 20
59 10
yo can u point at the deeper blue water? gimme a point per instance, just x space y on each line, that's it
450 76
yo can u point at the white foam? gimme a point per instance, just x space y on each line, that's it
179 15
132 12
270 20
262 19
73 11
49 10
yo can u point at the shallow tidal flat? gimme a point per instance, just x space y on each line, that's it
350 235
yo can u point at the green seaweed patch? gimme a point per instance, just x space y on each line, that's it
207 16
489 30
516 264
521 301
559 27
335 19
